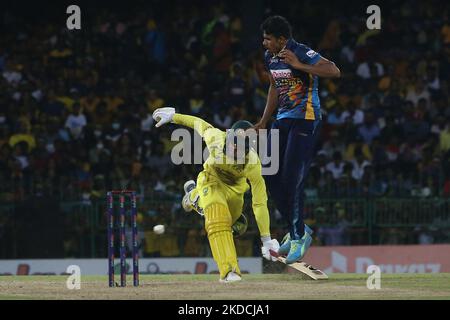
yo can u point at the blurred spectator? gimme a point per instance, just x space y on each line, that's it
221 49
370 69
356 145
89 103
335 143
369 130
154 101
418 91
22 135
336 167
222 119
196 102
11 74
354 114
444 138
76 121
336 235
336 116
358 165
155 44
237 87
424 235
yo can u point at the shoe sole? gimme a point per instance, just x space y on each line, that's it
187 184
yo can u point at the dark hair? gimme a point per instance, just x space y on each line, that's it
277 26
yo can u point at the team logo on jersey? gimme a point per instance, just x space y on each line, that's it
274 59
311 53
281 73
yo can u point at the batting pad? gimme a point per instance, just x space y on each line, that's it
218 226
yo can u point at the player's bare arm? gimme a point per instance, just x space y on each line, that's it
323 68
271 105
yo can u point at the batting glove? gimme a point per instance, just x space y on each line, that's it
163 115
270 245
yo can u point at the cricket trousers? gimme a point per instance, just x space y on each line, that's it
297 138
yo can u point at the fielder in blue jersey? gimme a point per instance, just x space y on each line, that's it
294 71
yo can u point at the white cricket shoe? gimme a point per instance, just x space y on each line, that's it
231 277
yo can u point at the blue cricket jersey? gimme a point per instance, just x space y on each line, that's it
298 95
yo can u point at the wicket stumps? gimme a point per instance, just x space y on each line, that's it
122 237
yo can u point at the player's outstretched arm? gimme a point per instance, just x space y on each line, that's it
168 115
261 212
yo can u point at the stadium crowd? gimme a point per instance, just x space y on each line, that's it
75 106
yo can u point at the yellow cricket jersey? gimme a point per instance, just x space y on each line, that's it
232 175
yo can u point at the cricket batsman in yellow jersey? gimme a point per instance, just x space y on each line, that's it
219 191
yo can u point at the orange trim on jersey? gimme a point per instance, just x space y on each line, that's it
309 108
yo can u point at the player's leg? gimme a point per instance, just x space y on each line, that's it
218 227
190 203
300 149
277 184
218 223
274 182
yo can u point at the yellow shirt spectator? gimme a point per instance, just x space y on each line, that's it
19 137
445 31
113 103
152 246
66 101
169 245
88 104
168 145
193 245
152 105
60 53
444 140
154 101
385 83
244 247
350 152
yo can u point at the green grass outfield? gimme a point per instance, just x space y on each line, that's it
254 287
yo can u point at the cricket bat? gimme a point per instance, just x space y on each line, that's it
301 266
